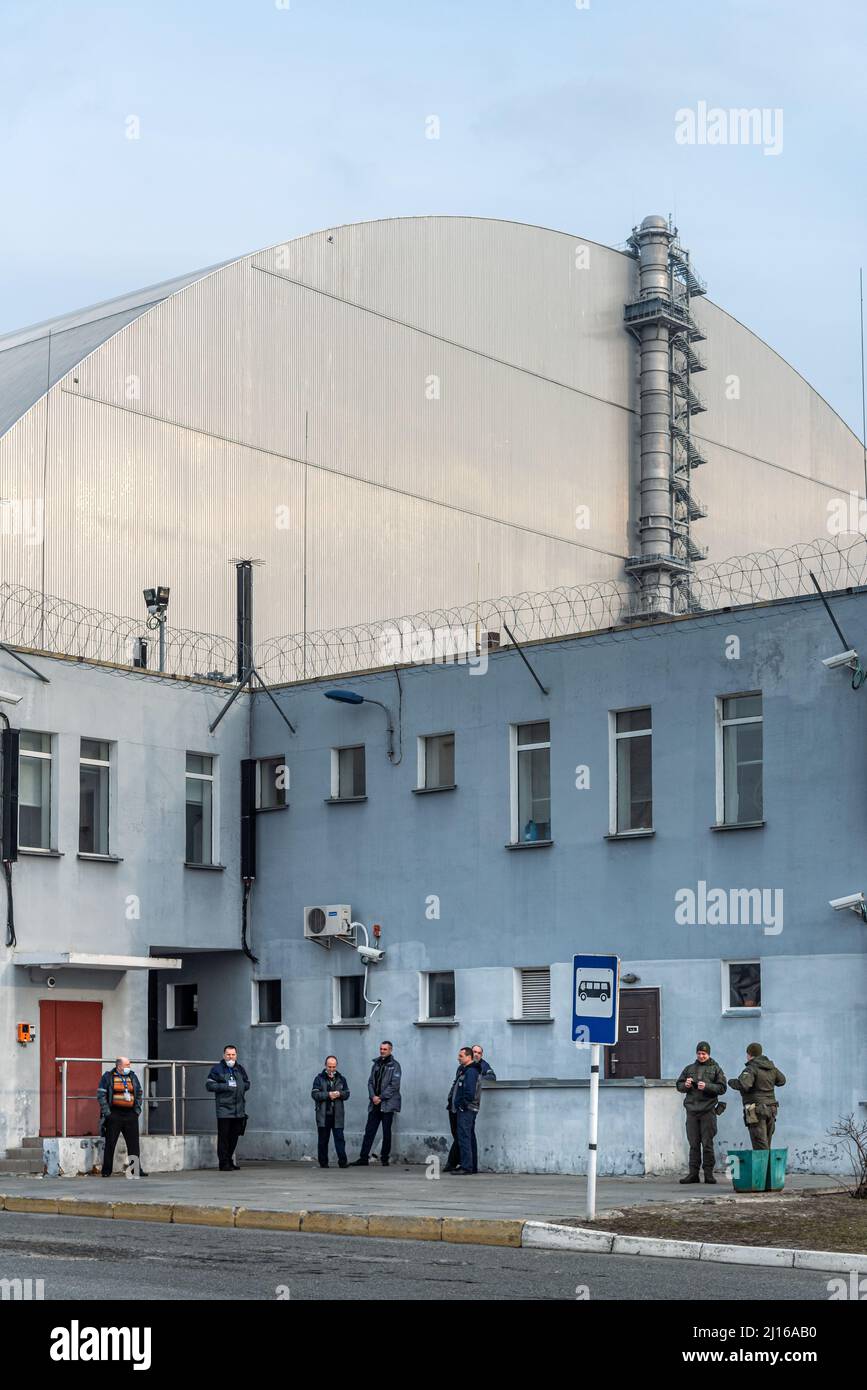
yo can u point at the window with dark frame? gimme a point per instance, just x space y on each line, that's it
200 809
633 770
351 998
272 781
533 781
351 778
34 791
745 984
94 793
740 723
185 1006
439 761
270 1001
441 994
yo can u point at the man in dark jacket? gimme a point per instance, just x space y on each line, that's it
230 1084
383 1088
330 1090
453 1162
487 1071
756 1084
702 1084
120 1095
464 1100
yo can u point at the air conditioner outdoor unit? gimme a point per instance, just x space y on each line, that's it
324 922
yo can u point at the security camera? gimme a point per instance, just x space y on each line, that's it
7 698
853 901
849 659
51 982
369 954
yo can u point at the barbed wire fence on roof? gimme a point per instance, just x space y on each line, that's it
838 563
49 624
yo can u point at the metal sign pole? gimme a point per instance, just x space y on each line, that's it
595 1052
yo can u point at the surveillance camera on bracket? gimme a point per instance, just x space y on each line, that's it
369 954
854 902
849 659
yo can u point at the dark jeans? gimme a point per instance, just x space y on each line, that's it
120 1122
374 1118
700 1131
229 1132
324 1131
466 1127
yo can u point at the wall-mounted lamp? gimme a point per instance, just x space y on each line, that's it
351 697
630 979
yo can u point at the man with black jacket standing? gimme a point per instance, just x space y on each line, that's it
756 1084
702 1083
330 1090
120 1098
383 1088
464 1099
229 1083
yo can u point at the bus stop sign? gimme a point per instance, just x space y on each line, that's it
595 999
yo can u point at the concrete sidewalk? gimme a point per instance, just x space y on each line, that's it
401 1190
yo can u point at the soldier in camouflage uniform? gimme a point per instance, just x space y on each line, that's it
702 1084
756 1084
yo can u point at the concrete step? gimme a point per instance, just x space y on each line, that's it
31 1142
19 1165
22 1154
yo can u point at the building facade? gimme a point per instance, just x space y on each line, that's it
686 794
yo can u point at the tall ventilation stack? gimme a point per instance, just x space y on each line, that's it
661 321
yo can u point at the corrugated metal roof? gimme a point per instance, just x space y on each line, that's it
33 359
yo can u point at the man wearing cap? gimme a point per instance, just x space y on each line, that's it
756 1084
702 1084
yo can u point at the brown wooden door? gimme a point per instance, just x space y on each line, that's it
69 1028
637 1052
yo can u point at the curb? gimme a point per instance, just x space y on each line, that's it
455 1230
544 1235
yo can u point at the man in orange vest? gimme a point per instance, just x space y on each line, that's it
120 1097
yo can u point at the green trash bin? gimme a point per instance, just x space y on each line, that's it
777 1159
750 1169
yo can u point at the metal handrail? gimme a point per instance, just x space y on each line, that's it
148 1064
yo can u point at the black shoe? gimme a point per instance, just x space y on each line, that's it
359 1163
709 1177
235 1167
343 1163
384 1162
105 1175
226 1168
323 1165
691 1177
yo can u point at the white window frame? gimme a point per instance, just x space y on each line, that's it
256 1021
721 725
421 758
273 758
213 778
109 763
518 973
171 1026
336 1015
48 757
335 771
514 825
424 1015
613 739
728 1010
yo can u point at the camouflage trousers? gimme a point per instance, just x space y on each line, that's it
762 1132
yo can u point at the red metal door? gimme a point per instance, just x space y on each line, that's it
69 1028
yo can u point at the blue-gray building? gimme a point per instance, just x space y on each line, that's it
686 793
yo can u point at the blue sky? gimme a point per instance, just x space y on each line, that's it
260 122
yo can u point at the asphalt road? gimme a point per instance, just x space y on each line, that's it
84 1258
